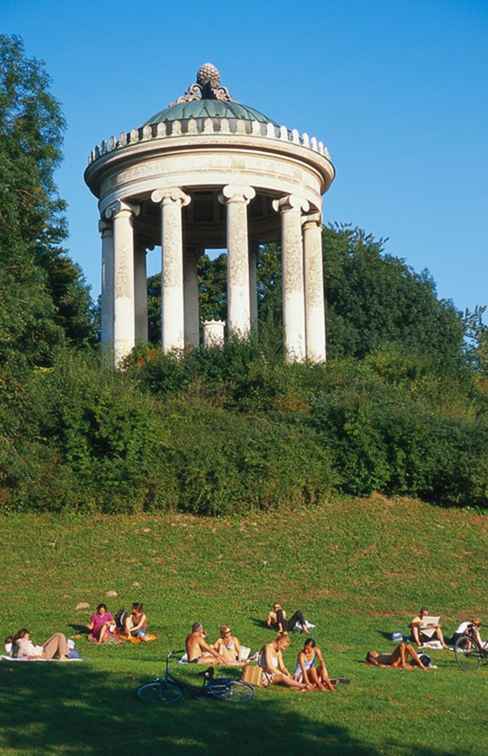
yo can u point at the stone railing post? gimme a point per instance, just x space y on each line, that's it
236 199
171 202
122 215
314 288
290 209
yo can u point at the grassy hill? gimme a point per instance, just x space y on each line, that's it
358 569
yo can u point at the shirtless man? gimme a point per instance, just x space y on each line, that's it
198 650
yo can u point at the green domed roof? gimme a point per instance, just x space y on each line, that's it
207 108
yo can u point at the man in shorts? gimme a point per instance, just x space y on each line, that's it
422 633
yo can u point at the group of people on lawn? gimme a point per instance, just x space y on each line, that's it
103 626
310 672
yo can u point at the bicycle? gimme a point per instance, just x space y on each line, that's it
469 653
167 689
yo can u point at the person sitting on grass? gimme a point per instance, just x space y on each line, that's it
272 663
55 647
311 667
135 624
470 629
398 659
422 633
198 651
277 620
228 646
101 625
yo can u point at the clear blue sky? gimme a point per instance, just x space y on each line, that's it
396 90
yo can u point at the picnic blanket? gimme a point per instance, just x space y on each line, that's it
15 659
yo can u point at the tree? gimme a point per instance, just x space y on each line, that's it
375 299
43 297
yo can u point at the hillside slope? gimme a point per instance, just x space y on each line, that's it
358 569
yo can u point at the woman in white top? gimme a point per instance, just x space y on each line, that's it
55 646
272 663
311 667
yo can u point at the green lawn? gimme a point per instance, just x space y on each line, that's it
358 568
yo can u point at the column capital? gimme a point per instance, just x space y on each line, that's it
291 202
105 228
169 195
236 193
313 219
118 208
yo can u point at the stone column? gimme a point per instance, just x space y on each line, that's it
123 285
314 288
191 296
253 283
107 294
291 208
172 301
236 198
140 293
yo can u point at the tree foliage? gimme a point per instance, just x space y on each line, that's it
43 297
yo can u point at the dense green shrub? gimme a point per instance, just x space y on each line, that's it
220 431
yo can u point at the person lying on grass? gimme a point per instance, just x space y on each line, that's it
55 647
273 666
198 651
311 667
422 633
228 646
101 625
135 624
398 659
277 620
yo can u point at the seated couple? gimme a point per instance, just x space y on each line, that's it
278 621
20 646
398 659
103 626
310 672
226 649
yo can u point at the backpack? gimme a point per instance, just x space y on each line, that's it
120 619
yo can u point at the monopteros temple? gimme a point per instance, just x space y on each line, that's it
209 173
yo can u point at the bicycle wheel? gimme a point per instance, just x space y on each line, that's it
160 691
468 655
230 690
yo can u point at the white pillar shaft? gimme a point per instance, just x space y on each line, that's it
239 306
124 315
140 293
293 285
107 294
253 283
172 302
314 291
191 297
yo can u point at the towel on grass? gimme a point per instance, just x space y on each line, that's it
15 659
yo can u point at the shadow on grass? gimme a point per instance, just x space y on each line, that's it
80 629
260 623
59 708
